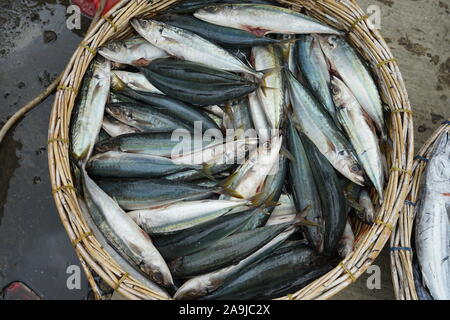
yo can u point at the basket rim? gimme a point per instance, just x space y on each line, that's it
346 15
402 247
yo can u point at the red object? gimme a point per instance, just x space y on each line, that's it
89 7
19 291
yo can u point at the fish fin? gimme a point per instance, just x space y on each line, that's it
261 199
297 125
230 192
269 203
118 84
284 41
229 181
354 204
304 212
258 199
259 32
285 152
206 170
305 222
300 219
229 110
141 62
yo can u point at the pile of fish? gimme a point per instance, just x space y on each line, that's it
221 152
432 227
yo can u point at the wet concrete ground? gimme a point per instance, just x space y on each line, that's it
34 247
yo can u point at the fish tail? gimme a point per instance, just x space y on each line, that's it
354 204
226 189
229 110
288 40
285 152
117 84
300 219
258 199
230 192
206 171
269 203
229 181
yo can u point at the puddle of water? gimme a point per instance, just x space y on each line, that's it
34 247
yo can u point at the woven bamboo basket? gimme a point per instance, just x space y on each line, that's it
345 15
401 244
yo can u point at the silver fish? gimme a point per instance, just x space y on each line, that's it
126 235
115 128
189 46
344 62
368 215
273 98
135 51
115 164
432 221
313 64
323 132
259 118
361 132
262 19
88 113
347 242
179 216
125 264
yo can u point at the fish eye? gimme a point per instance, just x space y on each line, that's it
342 153
355 168
332 41
336 90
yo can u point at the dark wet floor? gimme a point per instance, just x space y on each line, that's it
35 45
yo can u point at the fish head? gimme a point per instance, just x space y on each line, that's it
119 112
212 10
113 50
328 43
191 290
101 70
350 167
340 92
151 30
214 13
